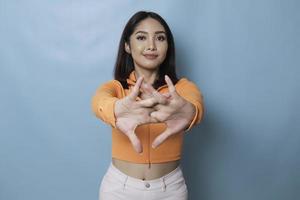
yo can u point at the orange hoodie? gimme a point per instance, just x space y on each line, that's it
103 106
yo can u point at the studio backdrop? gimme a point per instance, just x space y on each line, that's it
243 55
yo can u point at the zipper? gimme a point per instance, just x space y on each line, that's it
149 164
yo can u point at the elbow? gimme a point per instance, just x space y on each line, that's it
95 108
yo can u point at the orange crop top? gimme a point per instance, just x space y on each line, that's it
103 107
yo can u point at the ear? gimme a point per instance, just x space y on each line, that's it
127 48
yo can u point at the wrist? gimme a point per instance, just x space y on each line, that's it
117 108
190 111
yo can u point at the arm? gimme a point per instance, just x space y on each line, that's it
190 92
124 113
103 102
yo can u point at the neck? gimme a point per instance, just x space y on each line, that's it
149 76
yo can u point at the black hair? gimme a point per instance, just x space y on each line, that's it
124 63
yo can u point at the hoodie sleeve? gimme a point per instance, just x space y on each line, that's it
190 92
103 102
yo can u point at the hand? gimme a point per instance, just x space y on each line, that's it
131 113
148 92
177 113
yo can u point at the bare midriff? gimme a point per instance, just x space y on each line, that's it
145 171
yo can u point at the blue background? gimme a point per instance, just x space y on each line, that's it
243 55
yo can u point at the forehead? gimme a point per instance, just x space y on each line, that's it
149 25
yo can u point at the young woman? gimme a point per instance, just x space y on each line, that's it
149 110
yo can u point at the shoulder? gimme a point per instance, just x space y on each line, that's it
187 85
184 82
112 84
112 87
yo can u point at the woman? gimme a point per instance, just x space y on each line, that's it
149 110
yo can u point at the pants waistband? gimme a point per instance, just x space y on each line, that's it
174 176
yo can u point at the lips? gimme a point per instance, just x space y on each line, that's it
151 56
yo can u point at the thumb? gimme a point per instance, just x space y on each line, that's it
161 138
135 141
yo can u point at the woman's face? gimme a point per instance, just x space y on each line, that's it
148 44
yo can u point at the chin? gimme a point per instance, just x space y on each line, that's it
149 67
152 67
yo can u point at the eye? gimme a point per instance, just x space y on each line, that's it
161 38
140 37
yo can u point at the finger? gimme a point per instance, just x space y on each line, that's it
170 84
145 89
159 115
154 116
153 119
166 94
145 96
157 107
150 118
145 92
161 98
136 89
136 143
161 138
147 102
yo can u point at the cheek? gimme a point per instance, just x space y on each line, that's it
163 49
138 48
136 51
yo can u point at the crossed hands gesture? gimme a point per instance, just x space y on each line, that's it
153 107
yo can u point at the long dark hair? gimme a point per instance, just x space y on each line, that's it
124 64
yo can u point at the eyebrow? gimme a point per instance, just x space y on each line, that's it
156 32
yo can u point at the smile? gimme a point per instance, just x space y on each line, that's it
151 57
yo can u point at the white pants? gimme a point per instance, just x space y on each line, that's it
116 185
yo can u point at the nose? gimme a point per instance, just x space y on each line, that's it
151 44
